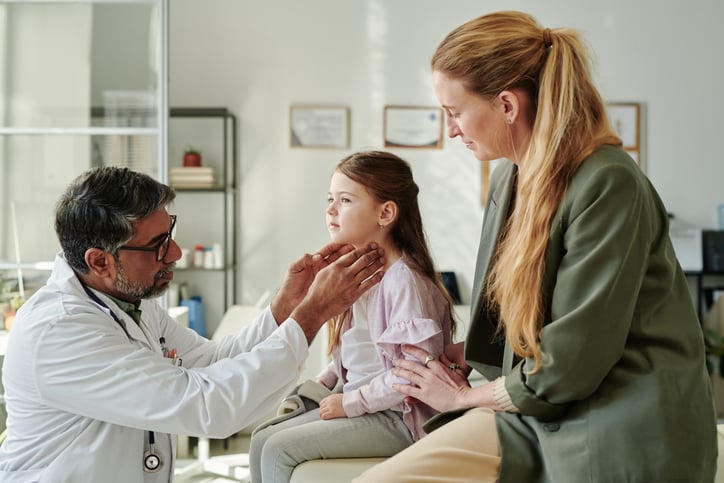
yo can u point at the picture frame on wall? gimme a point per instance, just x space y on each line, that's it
413 127
625 118
317 126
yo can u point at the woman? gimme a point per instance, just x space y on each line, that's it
582 320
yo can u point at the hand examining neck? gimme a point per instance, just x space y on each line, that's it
318 287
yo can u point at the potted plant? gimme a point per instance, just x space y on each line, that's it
192 157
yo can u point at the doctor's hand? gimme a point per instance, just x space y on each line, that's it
337 286
299 277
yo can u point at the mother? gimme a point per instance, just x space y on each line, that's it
582 320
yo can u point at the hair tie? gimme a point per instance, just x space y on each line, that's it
547 37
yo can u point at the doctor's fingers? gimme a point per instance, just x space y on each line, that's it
360 265
362 257
330 253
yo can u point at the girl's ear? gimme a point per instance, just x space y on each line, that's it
388 213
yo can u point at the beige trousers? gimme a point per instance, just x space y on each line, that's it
463 450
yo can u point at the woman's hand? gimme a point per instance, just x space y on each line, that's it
331 407
454 357
436 384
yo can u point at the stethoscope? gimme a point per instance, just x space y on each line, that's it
151 460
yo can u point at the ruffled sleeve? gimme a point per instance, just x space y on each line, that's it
422 333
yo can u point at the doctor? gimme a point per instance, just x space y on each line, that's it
99 379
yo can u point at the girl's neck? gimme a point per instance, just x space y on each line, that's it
392 253
392 257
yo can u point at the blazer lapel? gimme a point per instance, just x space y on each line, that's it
483 351
496 214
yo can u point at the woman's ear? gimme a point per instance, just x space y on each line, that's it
388 213
510 103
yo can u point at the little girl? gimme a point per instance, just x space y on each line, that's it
372 197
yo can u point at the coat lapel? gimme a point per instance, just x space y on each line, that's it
496 213
481 337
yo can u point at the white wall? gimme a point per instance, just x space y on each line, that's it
258 58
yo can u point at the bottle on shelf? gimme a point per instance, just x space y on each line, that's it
199 256
218 256
208 258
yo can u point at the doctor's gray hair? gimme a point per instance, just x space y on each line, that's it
99 207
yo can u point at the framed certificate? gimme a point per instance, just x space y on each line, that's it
318 126
413 127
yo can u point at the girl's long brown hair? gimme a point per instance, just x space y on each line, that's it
508 50
387 177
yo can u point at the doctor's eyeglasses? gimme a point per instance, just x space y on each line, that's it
160 248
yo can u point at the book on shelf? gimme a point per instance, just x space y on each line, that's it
191 170
192 184
192 177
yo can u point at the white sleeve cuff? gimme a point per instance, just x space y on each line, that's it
502 398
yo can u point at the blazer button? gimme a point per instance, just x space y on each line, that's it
552 427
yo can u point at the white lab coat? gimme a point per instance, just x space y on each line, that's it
81 396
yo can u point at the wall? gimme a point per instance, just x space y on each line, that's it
258 58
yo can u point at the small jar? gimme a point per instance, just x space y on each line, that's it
199 256
208 258
218 256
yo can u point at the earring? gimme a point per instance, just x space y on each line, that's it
508 120
381 226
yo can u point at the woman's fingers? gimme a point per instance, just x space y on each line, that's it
435 385
421 355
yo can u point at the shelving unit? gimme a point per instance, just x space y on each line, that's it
207 215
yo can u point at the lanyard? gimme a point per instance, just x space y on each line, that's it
151 459
97 300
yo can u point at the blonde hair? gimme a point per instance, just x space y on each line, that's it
509 50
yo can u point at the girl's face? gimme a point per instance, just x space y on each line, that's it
480 123
352 213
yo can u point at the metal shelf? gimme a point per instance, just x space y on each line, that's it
227 189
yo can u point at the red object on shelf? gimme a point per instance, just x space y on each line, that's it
192 158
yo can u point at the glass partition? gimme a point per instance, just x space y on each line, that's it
82 84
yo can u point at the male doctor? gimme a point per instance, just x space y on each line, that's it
99 379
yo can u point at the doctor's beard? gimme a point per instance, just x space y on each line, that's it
137 290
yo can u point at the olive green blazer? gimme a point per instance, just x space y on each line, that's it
623 394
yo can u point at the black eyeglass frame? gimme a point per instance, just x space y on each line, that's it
160 248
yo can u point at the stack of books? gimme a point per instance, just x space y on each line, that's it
192 177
